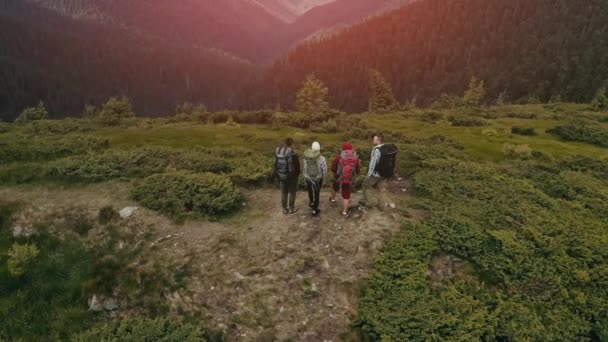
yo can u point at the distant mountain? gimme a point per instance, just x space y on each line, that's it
67 63
526 48
240 27
290 10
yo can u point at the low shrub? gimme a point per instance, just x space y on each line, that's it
106 215
180 193
135 330
529 131
20 258
24 148
32 113
114 112
64 126
517 151
582 130
430 116
466 121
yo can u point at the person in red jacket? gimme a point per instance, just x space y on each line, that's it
346 166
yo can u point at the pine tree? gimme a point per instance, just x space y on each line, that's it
33 113
600 101
502 98
475 94
381 94
312 98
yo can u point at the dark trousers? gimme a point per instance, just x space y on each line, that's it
288 193
314 192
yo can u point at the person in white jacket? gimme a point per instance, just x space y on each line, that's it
315 173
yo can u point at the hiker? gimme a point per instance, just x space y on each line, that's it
381 168
287 171
315 172
346 166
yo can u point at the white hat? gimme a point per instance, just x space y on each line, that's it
316 146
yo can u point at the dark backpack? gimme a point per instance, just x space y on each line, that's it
284 163
347 167
388 159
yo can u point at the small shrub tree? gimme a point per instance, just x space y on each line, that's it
20 257
33 113
600 101
381 94
114 111
312 98
475 94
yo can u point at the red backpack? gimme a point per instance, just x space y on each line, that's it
347 167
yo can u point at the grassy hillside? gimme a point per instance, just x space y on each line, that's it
511 247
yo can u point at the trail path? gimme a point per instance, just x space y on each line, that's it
261 275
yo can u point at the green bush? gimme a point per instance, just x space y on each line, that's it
582 130
178 193
135 330
115 111
430 116
24 148
64 126
529 131
32 113
20 258
600 101
466 121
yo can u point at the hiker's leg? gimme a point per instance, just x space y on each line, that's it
370 196
335 187
382 187
317 194
284 192
311 193
346 193
293 188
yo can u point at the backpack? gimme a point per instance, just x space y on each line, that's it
312 165
347 167
284 163
388 159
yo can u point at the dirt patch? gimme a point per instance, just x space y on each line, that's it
262 275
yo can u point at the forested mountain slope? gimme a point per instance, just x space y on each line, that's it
526 48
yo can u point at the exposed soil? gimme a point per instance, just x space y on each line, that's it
261 275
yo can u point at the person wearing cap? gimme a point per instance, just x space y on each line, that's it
315 173
346 166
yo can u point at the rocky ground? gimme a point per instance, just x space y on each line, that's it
259 276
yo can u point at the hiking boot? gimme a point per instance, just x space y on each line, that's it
293 211
332 200
285 211
346 214
316 212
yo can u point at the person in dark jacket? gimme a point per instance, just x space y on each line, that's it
345 183
287 171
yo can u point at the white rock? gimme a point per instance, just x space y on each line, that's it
127 212
110 304
392 205
95 305
22 231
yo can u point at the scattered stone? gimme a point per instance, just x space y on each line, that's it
404 190
110 304
127 212
95 305
392 205
239 276
20 230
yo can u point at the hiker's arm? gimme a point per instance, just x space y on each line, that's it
305 165
373 162
323 168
